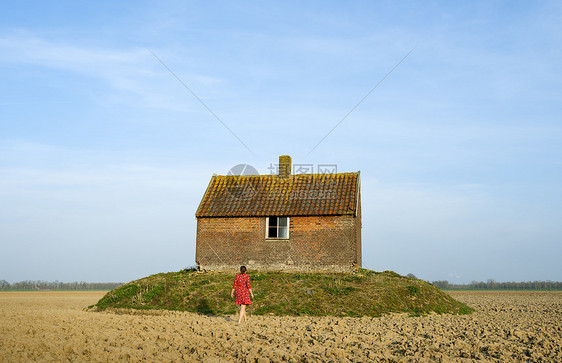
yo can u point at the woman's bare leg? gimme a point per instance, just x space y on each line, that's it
242 313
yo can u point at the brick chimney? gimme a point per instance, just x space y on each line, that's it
284 166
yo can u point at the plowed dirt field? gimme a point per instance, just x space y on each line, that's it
54 326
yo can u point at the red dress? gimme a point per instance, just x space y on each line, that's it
242 285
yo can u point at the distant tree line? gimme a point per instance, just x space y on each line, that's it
56 285
491 284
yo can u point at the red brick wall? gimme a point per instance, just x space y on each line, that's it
315 243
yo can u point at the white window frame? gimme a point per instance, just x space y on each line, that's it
267 228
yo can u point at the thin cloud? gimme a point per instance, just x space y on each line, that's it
127 72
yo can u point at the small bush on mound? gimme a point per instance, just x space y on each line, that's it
365 293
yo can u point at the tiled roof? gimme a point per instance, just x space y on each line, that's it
271 195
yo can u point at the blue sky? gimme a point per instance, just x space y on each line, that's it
104 155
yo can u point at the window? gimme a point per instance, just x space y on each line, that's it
277 227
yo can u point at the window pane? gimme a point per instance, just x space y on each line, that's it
272 232
283 232
272 222
283 221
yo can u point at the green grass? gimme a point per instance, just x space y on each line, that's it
365 293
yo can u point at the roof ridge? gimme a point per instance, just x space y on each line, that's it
292 175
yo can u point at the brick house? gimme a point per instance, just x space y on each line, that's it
301 222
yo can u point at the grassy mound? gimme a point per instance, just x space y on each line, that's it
365 293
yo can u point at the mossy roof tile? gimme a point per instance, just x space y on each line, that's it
270 195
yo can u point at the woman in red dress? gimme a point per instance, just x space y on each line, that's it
243 291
